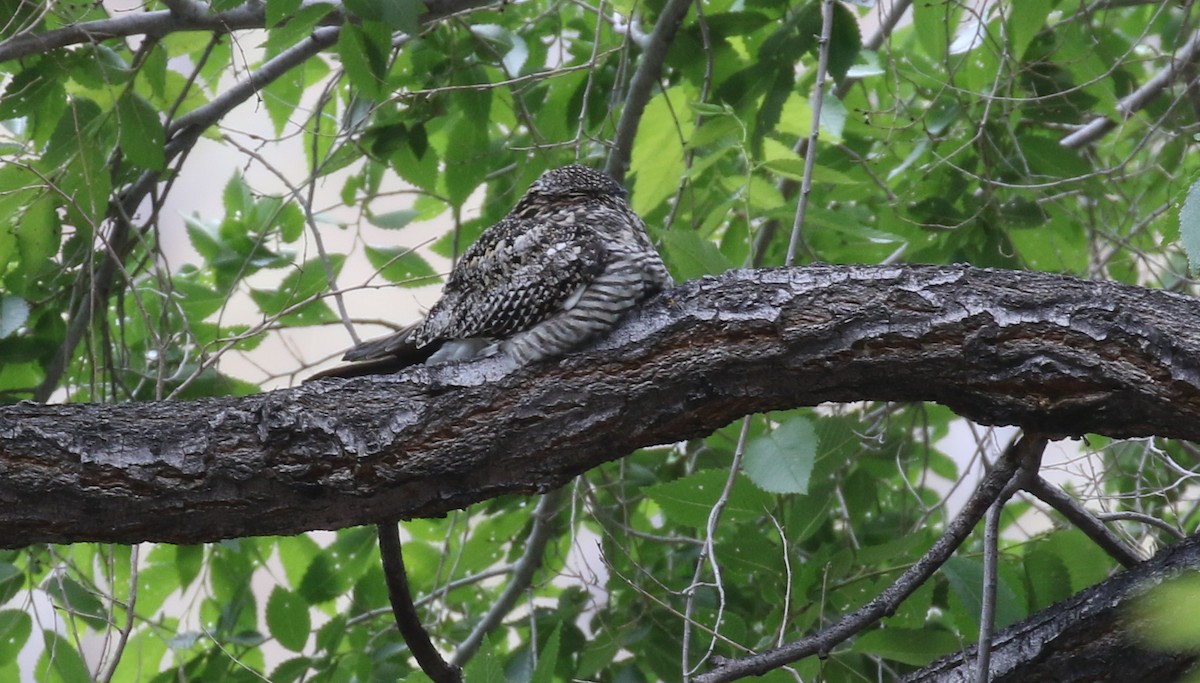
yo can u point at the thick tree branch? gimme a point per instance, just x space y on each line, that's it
1053 354
408 620
1090 638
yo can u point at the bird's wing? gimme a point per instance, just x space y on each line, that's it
516 274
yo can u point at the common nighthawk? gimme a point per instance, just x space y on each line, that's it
560 268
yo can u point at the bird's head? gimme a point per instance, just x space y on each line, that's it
569 183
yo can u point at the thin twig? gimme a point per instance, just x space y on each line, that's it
407 619
123 636
642 84
1084 521
708 555
522 577
810 154
1024 456
987 612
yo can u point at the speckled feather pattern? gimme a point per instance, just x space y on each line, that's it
560 268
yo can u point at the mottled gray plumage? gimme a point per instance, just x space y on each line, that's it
560 268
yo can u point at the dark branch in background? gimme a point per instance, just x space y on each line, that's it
1089 637
642 85
1053 354
407 619
522 576
1135 101
1020 460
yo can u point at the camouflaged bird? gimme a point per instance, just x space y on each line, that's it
563 266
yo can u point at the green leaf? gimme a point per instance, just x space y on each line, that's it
547 659
306 281
394 220
288 619
364 50
656 161
60 661
1165 616
140 132
322 582
15 627
915 647
687 501
781 461
279 10
11 581
14 311
691 256
401 265
404 15
39 232
1189 226
1024 24
934 22
77 600
188 561
300 24
845 41
966 580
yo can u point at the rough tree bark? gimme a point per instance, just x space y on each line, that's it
1090 637
1054 354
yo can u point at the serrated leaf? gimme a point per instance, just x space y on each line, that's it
547 659
401 265
781 461
188 561
1189 226
321 582
966 580
364 49
404 15
140 132
288 619
688 500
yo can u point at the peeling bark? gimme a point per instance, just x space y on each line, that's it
1053 354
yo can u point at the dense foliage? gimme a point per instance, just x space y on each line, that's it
941 140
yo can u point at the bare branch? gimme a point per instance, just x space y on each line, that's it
642 85
1084 521
405 612
522 576
1053 354
1135 101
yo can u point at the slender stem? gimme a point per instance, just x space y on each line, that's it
522 577
1023 458
407 619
